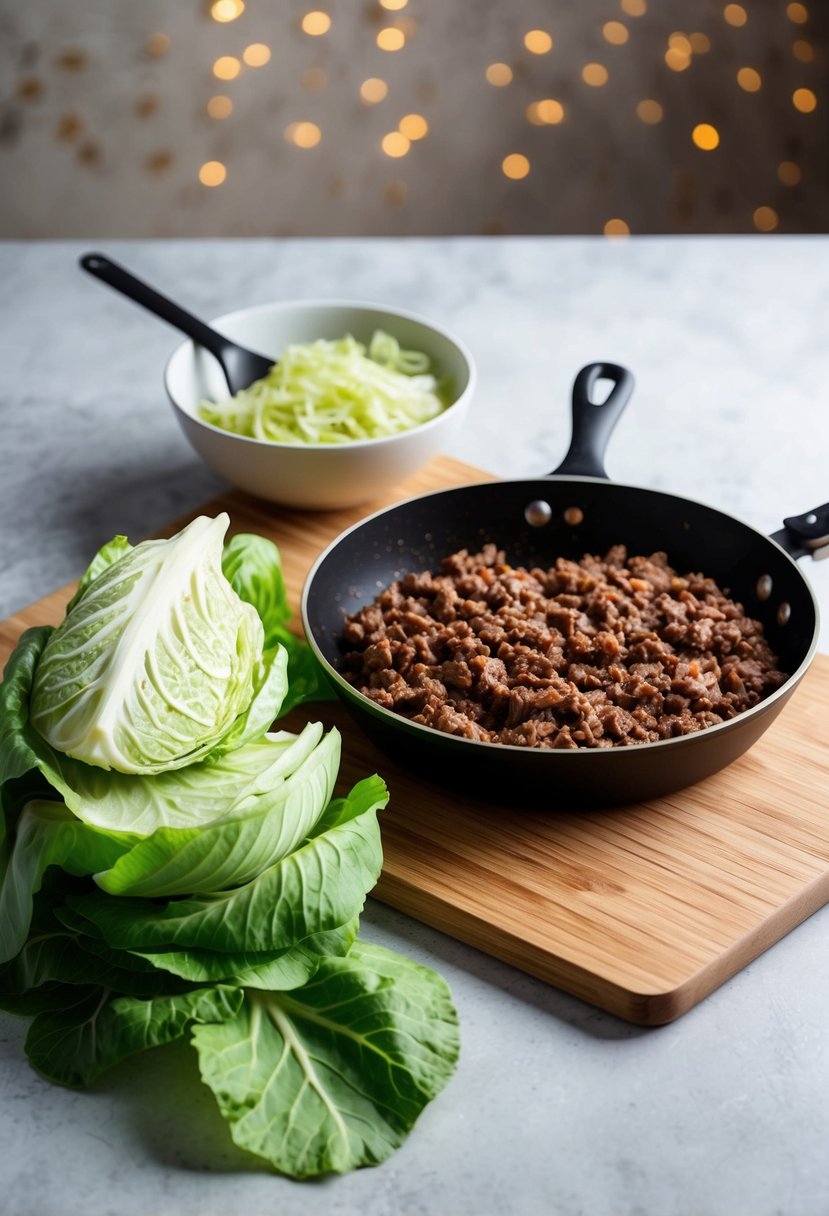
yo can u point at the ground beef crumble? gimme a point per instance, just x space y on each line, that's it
602 652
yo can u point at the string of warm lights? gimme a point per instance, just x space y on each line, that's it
393 30
678 57
516 166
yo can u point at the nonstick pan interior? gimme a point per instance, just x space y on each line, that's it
415 535
572 512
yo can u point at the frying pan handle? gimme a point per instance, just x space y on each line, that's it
593 423
805 535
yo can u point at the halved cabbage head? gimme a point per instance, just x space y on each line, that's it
155 660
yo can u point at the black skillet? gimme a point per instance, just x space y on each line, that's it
573 511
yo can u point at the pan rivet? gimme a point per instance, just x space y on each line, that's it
538 513
573 516
763 588
811 518
783 613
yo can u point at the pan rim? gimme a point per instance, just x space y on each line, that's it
431 733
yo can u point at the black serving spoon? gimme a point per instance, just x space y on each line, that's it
240 366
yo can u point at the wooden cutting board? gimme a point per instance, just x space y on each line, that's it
641 910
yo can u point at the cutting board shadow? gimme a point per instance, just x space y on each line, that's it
641 910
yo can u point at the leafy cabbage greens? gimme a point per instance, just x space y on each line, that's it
173 864
154 661
334 391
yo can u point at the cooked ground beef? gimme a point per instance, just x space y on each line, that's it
601 652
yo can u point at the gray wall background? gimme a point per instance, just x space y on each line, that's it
104 123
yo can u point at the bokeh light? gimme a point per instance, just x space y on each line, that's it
539 42
158 45
316 23
649 111
547 112
227 67
226 10
705 136
789 173
680 43
303 134
615 33
677 60
256 55
395 144
594 74
804 100
776 74
499 74
212 173
765 219
220 106
515 166
414 126
735 15
373 90
749 79
391 39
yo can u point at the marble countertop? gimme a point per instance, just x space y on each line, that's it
556 1108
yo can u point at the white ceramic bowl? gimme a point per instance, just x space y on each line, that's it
316 476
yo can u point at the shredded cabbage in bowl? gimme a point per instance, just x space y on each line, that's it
334 391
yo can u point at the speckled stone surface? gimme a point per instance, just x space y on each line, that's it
556 1108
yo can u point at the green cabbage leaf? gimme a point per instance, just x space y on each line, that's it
109 553
250 836
27 762
154 662
318 887
332 1076
47 834
253 566
190 797
173 864
96 1028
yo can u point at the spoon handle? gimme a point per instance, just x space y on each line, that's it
116 276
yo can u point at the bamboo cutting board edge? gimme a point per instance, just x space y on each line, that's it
643 1007
683 892
767 904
